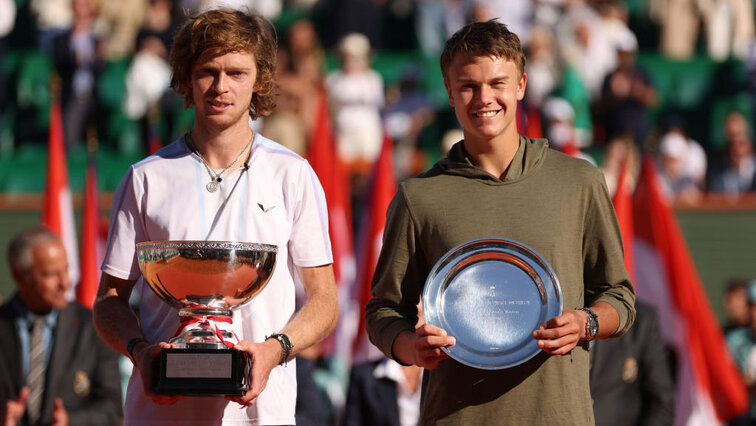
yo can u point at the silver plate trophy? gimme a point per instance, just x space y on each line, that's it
205 281
491 294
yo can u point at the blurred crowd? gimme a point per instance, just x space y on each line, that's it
740 333
588 89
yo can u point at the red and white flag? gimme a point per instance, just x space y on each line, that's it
92 244
327 165
57 209
381 189
710 389
623 207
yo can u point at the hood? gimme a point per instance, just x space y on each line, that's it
529 157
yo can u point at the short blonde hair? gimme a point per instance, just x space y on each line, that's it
490 38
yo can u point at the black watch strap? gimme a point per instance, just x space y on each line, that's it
286 346
591 325
132 344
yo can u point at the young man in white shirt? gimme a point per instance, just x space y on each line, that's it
221 182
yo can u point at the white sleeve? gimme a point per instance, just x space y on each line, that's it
310 244
126 229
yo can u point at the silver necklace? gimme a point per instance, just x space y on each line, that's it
215 177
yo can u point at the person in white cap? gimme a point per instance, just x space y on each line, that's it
674 155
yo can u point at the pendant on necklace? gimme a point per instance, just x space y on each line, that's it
212 186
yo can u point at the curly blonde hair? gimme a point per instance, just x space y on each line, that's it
218 32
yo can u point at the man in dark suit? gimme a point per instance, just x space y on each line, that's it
631 379
54 369
383 393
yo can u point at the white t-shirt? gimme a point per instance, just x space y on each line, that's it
278 201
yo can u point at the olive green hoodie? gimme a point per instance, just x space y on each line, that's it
553 203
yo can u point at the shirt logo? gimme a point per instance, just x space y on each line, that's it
264 208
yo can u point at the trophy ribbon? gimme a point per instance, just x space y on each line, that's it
187 322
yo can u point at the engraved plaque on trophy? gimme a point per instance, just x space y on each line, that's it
205 281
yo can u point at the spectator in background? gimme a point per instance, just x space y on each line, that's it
54 369
78 63
613 14
736 305
542 67
313 407
517 15
631 379
679 21
158 22
148 95
729 27
147 83
408 112
673 157
584 47
695 161
306 59
121 21
560 128
621 152
626 94
741 342
270 9
737 173
384 392
435 21
367 17
53 18
299 78
355 93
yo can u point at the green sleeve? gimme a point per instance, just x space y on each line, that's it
604 273
398 280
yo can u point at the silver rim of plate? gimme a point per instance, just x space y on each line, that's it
491 294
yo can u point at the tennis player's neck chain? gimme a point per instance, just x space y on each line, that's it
215 177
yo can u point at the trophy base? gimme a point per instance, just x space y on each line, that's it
190 371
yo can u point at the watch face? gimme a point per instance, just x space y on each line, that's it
594 327
592 323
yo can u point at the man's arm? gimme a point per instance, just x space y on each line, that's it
561 334
311 324
114 319
608 290
117 324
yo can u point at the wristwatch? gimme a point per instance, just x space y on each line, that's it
132 344
591 325
286 346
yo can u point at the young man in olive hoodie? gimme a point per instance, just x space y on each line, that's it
496 183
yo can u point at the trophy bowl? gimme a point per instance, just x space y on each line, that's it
205 281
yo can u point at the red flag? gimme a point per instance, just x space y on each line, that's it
91 241
327 165
709 386
533 126
381 190
57 209
623 207
154 143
